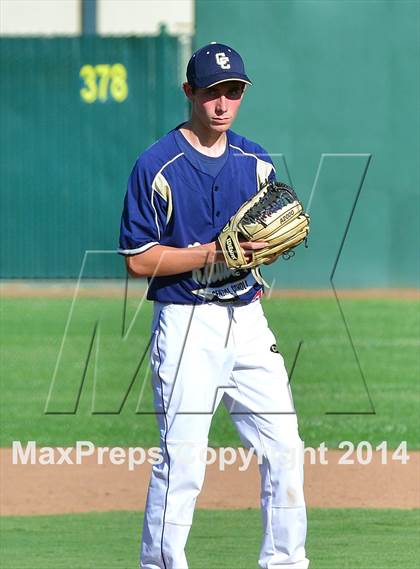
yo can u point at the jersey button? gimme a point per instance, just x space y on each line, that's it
216 188
217 213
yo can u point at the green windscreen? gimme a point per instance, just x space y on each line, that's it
336 84
75 114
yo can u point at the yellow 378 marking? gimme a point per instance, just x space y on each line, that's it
103 82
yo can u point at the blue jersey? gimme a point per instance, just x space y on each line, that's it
170 201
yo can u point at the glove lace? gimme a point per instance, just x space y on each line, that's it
277 196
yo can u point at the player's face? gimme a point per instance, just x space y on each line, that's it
216 107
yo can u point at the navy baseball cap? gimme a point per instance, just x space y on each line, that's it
215 63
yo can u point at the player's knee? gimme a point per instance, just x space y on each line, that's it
285 454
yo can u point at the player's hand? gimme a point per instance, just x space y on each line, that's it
249 246
215 254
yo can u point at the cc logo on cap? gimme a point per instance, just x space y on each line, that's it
222 60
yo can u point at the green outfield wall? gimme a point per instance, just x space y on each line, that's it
75 114
335 101
336 77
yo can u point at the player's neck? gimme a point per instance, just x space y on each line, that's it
206 141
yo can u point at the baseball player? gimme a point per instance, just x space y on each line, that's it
210 338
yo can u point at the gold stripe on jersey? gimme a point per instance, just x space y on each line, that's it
161 186
264 168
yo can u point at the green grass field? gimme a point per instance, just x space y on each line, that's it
338 539
326 377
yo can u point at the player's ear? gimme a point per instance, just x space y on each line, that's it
188 90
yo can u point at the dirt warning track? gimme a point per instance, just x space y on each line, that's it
54 489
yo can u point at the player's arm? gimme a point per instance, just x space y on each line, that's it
160 260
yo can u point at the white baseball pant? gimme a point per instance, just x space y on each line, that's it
200 355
